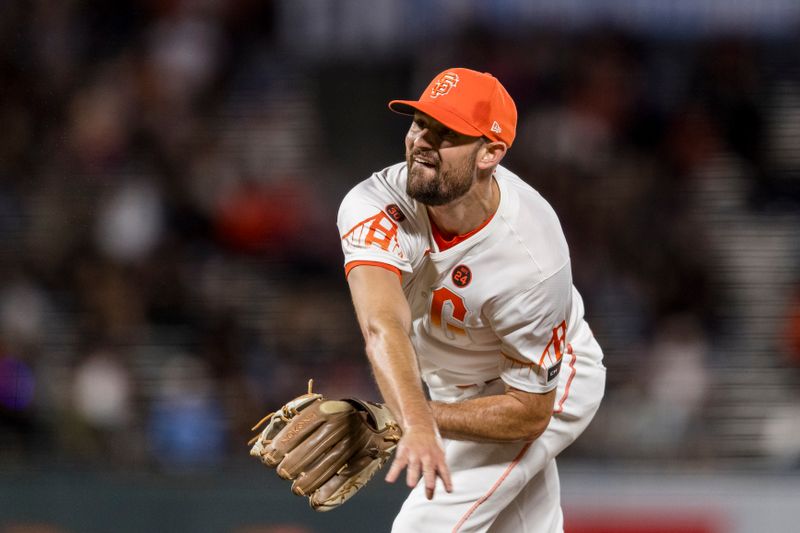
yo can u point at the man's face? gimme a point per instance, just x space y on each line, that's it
441 162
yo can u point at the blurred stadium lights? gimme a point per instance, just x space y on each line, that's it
318 30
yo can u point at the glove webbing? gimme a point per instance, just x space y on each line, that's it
286 413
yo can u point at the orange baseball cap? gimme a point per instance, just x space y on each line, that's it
466 101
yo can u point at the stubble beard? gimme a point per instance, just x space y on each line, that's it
445 186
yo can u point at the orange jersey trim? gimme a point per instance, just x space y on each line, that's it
529 364
352 264
492 490
444 243
572 373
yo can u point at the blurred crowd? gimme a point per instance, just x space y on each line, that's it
169 179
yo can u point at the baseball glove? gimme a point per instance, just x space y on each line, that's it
329 448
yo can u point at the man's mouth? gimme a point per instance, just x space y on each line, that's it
425 161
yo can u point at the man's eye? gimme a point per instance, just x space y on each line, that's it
449 134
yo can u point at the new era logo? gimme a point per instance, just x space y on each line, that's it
496 127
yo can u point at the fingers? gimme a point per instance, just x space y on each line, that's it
427 468
412 473
430 481
444 473
431 472
397 466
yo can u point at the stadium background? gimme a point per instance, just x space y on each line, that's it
169 178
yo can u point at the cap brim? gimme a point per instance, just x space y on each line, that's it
446 117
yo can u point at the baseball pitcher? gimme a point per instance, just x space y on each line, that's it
460 277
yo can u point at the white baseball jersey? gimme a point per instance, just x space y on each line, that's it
497 304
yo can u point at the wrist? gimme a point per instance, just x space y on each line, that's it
419 419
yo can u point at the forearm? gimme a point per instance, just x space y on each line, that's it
394 364
500 418
385 319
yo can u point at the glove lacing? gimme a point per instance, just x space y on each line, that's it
286 413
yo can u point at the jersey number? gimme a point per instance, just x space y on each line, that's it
446 301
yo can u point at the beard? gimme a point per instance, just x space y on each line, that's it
445 185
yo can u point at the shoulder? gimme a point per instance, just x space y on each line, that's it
384 186
383 194
378 214
526 202
535 238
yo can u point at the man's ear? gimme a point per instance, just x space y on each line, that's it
491 153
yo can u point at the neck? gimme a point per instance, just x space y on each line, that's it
471 210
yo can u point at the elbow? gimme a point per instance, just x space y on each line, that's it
533 413
524 428
533 428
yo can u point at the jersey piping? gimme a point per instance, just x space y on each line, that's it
492 490
572 372
352 264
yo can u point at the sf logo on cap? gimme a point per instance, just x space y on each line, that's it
444 84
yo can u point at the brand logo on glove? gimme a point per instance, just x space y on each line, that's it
298 427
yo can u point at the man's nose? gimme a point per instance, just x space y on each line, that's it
423 138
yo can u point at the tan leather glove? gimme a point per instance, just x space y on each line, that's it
329 448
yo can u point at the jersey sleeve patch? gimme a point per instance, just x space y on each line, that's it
541 374
368 232
532 327
378 232
554 351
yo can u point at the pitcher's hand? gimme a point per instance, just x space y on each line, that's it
420 451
